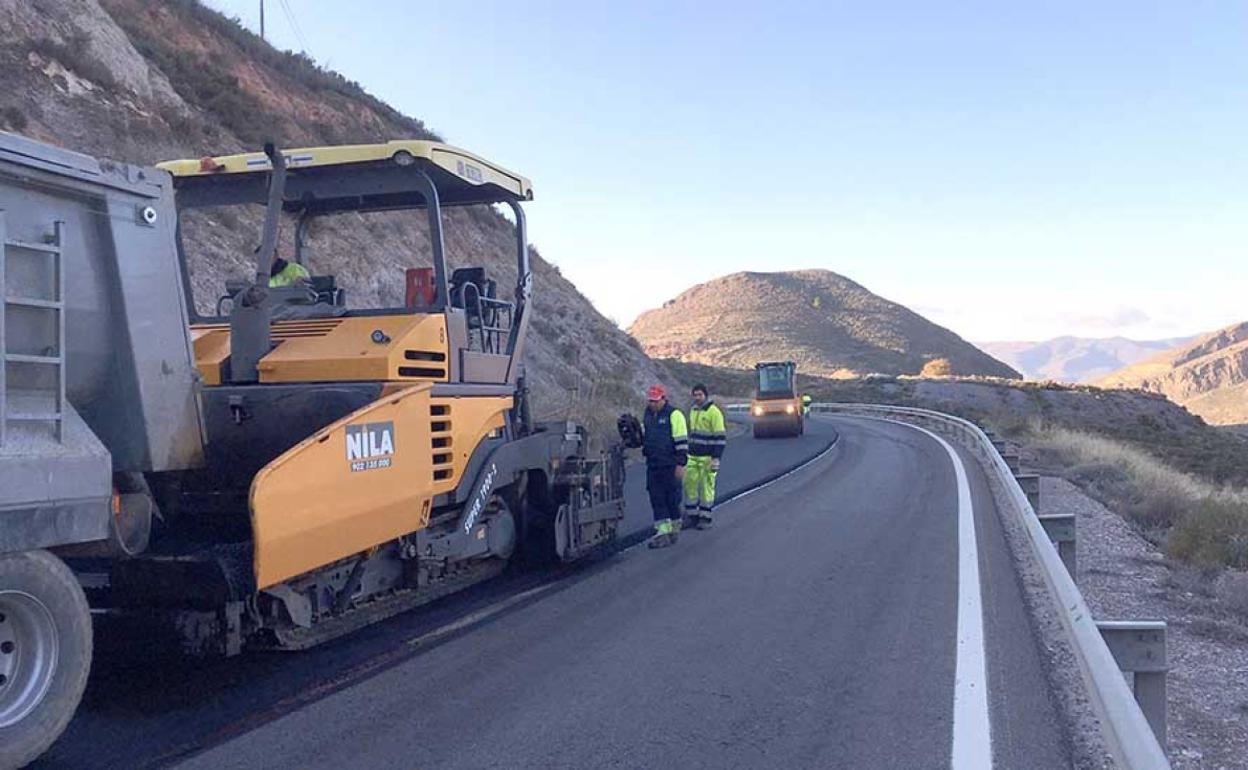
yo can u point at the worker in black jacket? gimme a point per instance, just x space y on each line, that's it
665 444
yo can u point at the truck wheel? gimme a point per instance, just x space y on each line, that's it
45 653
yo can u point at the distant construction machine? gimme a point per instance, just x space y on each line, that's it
777 406
283 472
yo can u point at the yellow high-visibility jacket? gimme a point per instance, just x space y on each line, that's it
707 436
288 275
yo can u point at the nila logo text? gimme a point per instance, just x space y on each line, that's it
370 445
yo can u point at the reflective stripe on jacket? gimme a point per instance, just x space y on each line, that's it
666 439
707 435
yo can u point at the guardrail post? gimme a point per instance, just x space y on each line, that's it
1030 482
1013 461
1139 648
1061 529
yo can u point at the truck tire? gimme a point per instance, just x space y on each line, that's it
45 653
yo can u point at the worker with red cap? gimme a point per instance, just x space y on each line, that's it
665 444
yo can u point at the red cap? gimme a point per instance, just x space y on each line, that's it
656 392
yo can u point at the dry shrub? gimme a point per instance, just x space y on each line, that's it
1201 524
1218 630
595 405
12 117
1158 507
1186 579
1233 592
1213 532
1146 472
937 367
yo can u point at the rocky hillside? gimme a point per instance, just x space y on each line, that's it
1075 359
828 324
1208 376
143 82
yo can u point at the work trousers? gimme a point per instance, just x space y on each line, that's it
699 486
664 489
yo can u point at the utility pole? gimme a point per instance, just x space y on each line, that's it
262 19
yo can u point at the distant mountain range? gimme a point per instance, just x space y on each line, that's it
1209 376
1076 359
825 322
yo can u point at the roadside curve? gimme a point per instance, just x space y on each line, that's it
1008 660
972 734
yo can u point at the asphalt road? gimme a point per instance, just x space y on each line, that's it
146 707
822 623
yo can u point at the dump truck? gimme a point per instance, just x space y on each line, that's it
284 469
777 407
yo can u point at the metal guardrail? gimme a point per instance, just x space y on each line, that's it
1060 527
1137 648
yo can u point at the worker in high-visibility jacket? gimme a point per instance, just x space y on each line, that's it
665 444
284 273
707 439
805 404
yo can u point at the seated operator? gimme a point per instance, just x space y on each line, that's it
284 273
309 304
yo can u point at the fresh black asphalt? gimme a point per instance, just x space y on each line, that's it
147 707
815 626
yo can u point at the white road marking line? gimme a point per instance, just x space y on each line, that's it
972 733
783 476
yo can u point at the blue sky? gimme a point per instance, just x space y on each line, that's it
1009 170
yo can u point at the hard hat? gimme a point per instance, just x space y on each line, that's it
656 392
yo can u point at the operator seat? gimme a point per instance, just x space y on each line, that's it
320 298
468 287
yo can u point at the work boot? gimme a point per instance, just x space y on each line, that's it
663 536
704 522
689 521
